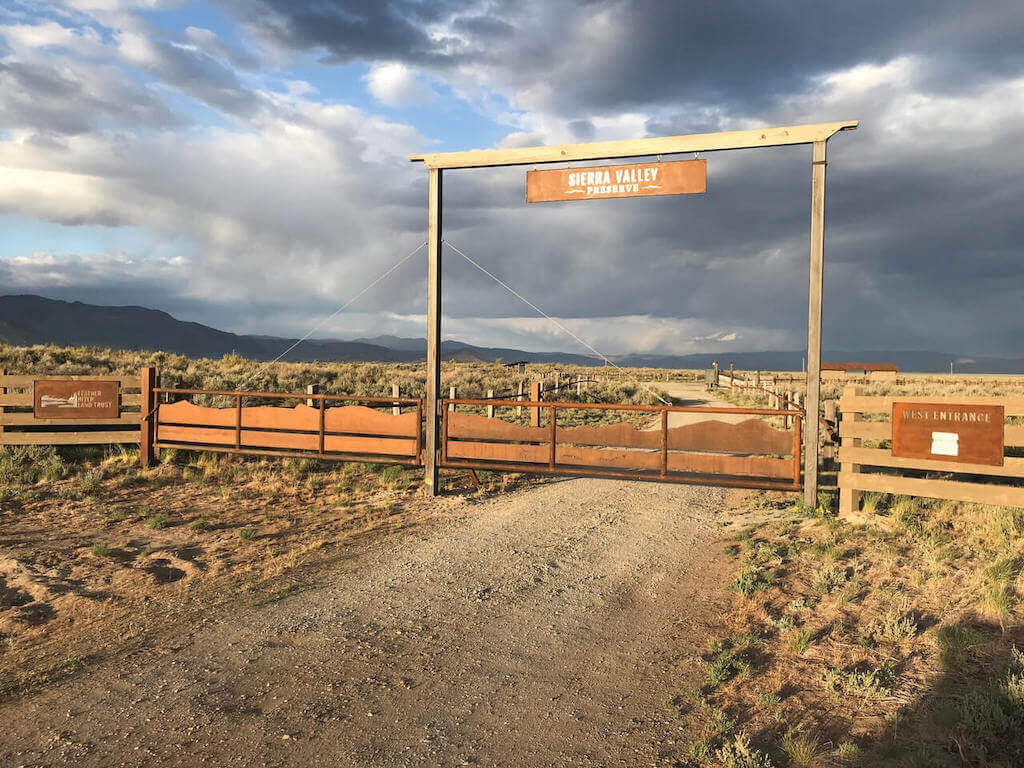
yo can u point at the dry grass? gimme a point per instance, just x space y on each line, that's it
886 641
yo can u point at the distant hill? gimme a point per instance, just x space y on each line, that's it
26 319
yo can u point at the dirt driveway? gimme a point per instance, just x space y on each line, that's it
551 626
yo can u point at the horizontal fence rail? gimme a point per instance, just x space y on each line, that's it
749 454
867 468
20 424
350 432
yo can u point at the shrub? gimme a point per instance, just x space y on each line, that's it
30 464
739 754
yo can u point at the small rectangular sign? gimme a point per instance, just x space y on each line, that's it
676 177
962 433
76 399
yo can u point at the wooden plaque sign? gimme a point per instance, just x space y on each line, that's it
677 177
76 399
965 434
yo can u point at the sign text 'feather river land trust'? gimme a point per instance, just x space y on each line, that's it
71 399
677 177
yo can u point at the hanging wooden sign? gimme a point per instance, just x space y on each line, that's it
76 399
965 434
677 177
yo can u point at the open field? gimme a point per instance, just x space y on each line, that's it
279 610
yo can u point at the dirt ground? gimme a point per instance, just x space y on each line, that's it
549 626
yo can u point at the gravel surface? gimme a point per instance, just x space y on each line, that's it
547 627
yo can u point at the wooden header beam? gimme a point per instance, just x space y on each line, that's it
666 145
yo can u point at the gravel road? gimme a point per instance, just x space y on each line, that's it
548 627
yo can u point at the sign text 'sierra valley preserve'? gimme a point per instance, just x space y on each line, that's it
678 177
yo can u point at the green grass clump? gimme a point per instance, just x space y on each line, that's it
199 525
802 640
99 550
754 578
802 749
247 534
955 642
863 682
158 521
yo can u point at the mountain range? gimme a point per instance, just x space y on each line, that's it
27 319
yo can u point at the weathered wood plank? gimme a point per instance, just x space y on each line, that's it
881 457
665 145
12 418
22 381
102 437
864 404
999 495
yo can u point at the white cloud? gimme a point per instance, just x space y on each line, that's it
397 85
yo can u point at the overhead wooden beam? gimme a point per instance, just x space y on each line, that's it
665 145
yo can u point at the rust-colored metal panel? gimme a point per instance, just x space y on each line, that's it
76 399
621 434
954 432
474 426
676 177
751 436
297 441
735 466
511 452
355 419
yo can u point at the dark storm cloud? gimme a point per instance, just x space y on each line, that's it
605 56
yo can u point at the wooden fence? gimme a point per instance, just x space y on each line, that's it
22 424
860 464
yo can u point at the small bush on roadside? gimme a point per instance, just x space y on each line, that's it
30 464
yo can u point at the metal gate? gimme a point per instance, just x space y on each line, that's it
751 453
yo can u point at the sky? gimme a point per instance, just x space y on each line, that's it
244 164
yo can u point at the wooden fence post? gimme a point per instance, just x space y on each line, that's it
451 394
830 410
3 391
312 389
535 410
579 388
519 408
715 380
490 408
396 409
147 455
849 499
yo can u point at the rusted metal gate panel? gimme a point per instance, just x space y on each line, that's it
750 454
353 431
